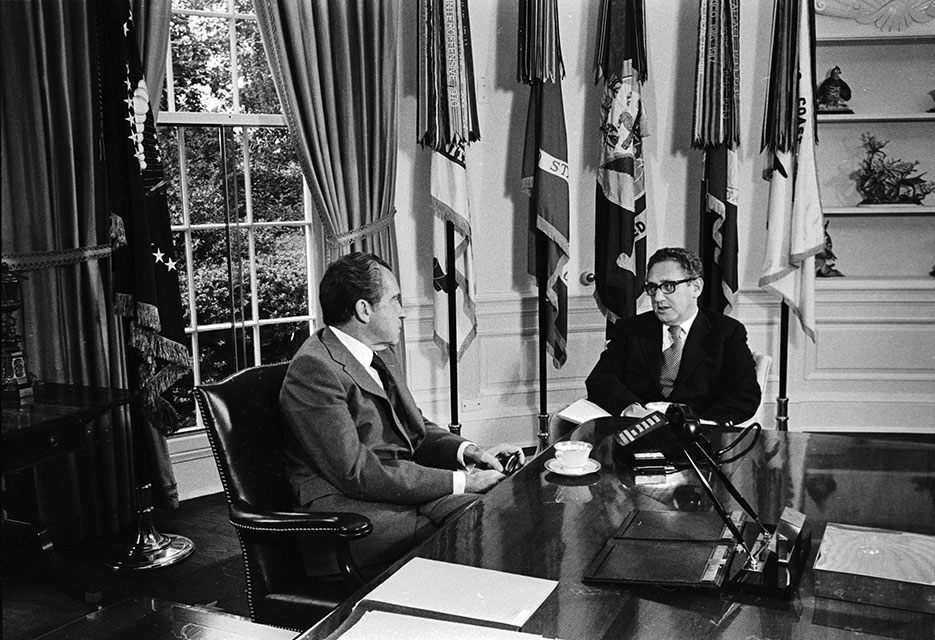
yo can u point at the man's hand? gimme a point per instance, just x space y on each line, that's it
479 481
488 459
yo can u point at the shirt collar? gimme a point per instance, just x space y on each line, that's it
361 352
686 327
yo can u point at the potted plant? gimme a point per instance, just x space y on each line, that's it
883 180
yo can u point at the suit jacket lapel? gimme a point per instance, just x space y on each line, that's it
650 343
365 381
693 351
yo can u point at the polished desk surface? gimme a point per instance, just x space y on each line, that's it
541 524
145 618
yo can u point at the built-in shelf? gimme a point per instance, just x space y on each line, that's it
876 117
880 210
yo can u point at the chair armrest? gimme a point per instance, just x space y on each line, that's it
345 526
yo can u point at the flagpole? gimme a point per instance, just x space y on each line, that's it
542 277
454 426
782 402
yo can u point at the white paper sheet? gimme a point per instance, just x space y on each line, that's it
467 592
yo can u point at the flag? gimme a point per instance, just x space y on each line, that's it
620 200
545 181
450 204
447 123
716 131
795 232
145 273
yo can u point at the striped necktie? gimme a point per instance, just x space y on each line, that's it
671 358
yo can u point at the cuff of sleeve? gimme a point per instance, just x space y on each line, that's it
459 480
464 445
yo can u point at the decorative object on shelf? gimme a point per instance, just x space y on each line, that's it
883 180
824 261
16 385
932 93
932 272
833 94
887 15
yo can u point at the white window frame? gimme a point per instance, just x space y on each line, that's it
247 122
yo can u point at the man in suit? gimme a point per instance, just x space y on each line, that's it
356 441
677 352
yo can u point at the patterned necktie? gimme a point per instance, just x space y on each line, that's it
671 358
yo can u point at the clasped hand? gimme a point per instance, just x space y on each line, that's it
488 469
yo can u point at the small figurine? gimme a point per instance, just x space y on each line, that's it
824 261
833 94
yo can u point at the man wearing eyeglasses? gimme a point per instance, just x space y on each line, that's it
677 352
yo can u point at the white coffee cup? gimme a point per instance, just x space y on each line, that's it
572 453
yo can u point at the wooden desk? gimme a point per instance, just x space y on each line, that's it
48 425
540 524
52 422
145 618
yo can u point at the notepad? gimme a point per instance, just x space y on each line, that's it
464 593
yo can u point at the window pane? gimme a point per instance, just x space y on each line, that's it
201 64
279 342
182 265
204 175
281 271
169 148
257 92
216 297
276 177
224 352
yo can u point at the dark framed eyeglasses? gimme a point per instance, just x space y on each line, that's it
667 287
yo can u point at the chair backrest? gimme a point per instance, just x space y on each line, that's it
244 423
764 362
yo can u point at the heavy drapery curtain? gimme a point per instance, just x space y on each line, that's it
56 234
334 67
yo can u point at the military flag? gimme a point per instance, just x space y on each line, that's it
620 200
795 231
448 123
545 173
716 131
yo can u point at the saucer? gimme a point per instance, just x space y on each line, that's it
555 466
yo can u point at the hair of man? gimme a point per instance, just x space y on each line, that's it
688 260
355 276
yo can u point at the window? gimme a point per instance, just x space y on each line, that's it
241 215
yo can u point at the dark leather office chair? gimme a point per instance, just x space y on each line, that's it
244 425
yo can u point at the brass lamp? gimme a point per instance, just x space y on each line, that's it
16 385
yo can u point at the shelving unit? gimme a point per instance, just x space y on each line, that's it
891 75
